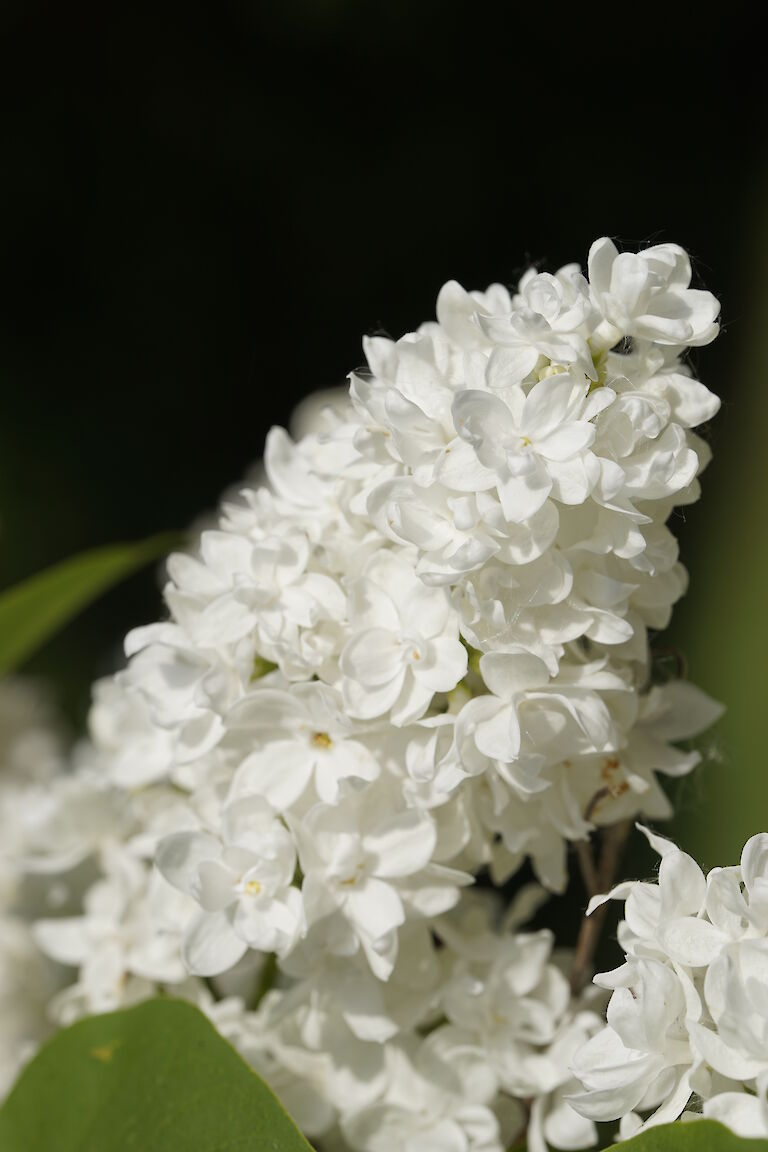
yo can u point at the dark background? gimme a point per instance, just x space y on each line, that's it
203 208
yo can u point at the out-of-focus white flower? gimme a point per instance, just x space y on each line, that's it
125 942
32 757
435 1100
312 414
31 739
27 982
505 997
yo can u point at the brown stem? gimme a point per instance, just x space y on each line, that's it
613 846
598 796
589 872
600 880
589 936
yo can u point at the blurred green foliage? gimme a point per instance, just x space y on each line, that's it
32 612
702 1136
153 1077
721 626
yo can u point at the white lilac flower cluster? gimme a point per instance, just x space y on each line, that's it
687 1029
31 756
419 651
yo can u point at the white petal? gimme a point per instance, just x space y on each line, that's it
365 702
401 845
269 926
725 1060
178 857
510 365
600 262
659 843
211 945
280 773
674 1104
498 737
567 441
620 892
447 665
484 421
374 907
523 496
744 1114
682 885
65 940
692 942
691 402
373 658
754 860
565 1129
507 673
685 711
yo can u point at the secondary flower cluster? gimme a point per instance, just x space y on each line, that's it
418 651
688 1015
31 756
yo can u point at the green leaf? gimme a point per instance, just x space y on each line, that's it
31 612
154 1078
696 1136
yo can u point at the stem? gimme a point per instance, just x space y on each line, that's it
596 880
519 1139
589 935
266 979
589 872
613 846
601 794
